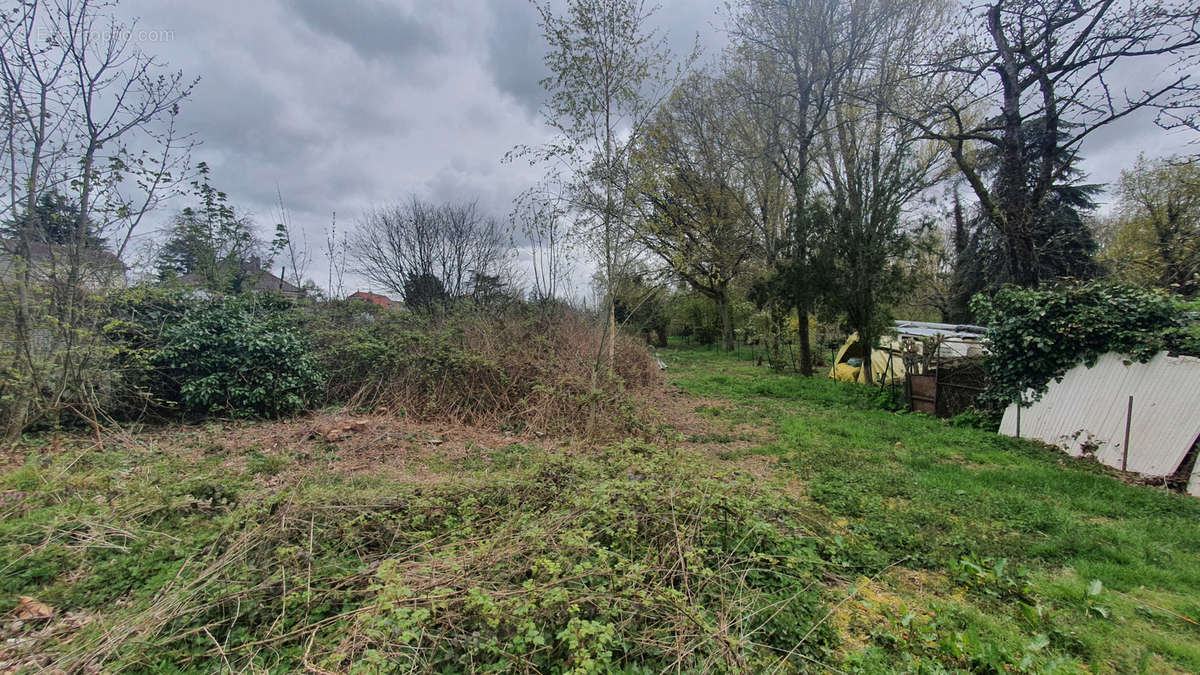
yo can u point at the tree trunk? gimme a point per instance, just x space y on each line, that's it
773 340
806 357
19 410
612 336
1022 257
726 323
867 340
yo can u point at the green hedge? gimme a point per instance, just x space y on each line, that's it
1037 335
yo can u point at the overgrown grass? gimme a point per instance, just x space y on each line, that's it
853 539
523 369
632 557
1043 559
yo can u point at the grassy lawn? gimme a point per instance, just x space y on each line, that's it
966 543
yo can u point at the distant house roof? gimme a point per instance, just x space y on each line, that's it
42 253
254 278
377 299
98 266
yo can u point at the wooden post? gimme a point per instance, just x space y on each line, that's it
1018 418
937 377
1128 423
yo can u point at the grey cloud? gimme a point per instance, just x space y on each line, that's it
515 52
373 29
516 49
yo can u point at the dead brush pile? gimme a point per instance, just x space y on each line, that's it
518 371
631 559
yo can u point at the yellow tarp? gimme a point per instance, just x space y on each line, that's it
845 372
880 368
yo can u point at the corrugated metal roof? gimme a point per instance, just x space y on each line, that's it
930 329
1089 407
958 339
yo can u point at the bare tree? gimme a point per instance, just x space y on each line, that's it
542 217
1047 69
85 111
441 251
293 249
335 256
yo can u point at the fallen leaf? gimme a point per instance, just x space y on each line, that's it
29 609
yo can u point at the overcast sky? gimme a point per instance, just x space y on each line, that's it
346 104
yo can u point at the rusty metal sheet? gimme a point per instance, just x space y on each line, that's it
1086 411
923 391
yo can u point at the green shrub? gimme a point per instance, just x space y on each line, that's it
1037 335
179 351
976 418
242 357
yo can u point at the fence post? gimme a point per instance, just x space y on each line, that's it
1018 418
1128 423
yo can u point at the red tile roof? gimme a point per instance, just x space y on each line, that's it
381 300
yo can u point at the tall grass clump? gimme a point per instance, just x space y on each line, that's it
520 369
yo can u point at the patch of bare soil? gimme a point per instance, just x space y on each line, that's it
358 445
680 412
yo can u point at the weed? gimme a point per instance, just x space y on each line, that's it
259 464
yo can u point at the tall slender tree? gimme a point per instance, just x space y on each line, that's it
794 53
609 71
83 107
873 166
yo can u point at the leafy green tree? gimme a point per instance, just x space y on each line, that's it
800 279
874 165
1156 236
693 316
1065 244
693 217
210 240
794 58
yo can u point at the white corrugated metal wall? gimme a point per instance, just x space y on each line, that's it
1089 406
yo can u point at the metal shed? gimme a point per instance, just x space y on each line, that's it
1088 410
957 341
